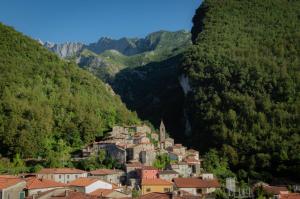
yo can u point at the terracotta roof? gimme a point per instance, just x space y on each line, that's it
83 182
290 196
101 192
104 172
8 181
166 172
74 195
35 183
195 183
156 195
155 182
61 171
191 160
274 189
149 168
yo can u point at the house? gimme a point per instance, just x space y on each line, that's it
11 187
143 129
148 157
140 139
179 149
194 164
274 191
62 194
35 185
156 185
88 185
169 142
63 175
193 153
109 175
155 195
109 193
175 156
196 186
182 168
149 172
133 151
168 175
290 196
113 149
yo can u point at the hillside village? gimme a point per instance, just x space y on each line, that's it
136 148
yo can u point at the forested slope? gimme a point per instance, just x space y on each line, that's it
244 71
44 99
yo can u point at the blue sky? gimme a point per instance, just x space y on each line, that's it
87 20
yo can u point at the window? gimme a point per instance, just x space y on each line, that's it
68 176
148 190
199 191
22 195
166 189
76 176
59 176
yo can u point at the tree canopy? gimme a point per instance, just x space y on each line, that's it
44 99
244 71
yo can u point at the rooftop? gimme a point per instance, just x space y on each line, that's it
290 196
102 192
104 171
275 189
8 181
134 164
196 183
166 172
149 168
83 182
155 182
35 183
61 171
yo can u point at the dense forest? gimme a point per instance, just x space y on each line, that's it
244 73
47 104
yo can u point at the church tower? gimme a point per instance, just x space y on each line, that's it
162 132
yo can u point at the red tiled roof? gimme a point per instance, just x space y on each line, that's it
74 195
155 182
167 172
274 189
104 172
149 168
196 183
290 196
61 171
83 182
35 183
156 195
101 192
8 181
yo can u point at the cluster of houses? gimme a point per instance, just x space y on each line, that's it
136 148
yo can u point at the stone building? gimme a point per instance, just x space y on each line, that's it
133 152
182 168
110 175
148 157
143 129
168 175
11 187
63 175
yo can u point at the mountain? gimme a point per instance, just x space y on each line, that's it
45 101
242 80
106 57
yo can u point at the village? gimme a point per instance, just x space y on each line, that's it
136 148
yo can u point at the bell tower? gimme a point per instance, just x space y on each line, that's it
162 132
